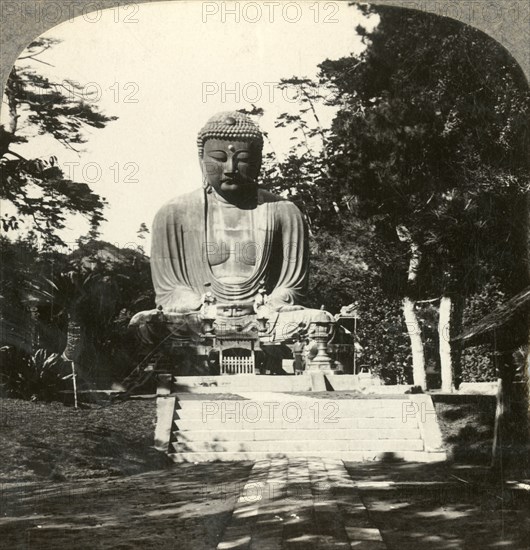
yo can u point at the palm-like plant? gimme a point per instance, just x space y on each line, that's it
87 297
38 376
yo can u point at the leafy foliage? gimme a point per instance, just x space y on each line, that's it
38 188
432 133
98 287
101 290
344 270
38 376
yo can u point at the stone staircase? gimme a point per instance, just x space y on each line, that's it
257 426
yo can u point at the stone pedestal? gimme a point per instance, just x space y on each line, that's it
322 362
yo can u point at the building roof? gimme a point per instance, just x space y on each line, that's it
505 320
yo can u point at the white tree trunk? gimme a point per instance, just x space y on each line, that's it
500 411
444 332
416 343
411 319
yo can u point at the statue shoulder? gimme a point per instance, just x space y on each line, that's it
181 205
285 212
267 196
280 203
285 207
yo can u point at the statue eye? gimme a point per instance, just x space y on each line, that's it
243 157
218 155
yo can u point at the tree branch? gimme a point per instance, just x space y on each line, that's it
15 154
38 60
31 56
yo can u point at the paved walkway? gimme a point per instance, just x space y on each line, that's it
300 504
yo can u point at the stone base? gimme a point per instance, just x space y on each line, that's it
307 381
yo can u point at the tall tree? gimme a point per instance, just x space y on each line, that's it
36 187
432 139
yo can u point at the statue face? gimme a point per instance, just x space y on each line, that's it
231 167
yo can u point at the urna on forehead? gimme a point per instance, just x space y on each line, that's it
230 126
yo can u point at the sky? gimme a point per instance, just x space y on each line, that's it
163 69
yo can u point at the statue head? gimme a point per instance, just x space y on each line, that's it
230 146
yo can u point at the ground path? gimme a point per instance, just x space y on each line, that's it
270 504
300 504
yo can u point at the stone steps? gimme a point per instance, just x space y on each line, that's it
184 424
347 456
307 445
276 434
279 425
214 406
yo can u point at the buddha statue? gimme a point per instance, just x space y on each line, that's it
230 251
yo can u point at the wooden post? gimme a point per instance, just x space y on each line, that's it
74 383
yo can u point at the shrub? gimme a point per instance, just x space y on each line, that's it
478 364
38 376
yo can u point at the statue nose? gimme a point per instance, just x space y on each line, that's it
231 166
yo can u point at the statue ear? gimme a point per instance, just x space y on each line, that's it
203 166
206 184
257 150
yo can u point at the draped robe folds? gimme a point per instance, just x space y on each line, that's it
180 267
179 261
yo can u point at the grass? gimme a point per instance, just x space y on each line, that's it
466 423
52 441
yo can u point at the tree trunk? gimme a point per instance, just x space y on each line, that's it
416 343
7 135
411 319
444 336
498 432
505 433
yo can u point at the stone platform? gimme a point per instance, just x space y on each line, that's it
203 422
281 383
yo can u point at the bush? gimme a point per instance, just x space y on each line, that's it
478 364
39 376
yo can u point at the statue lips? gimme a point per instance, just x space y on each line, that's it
234 182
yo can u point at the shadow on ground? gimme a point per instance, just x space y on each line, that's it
186 506
443 506
467 424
